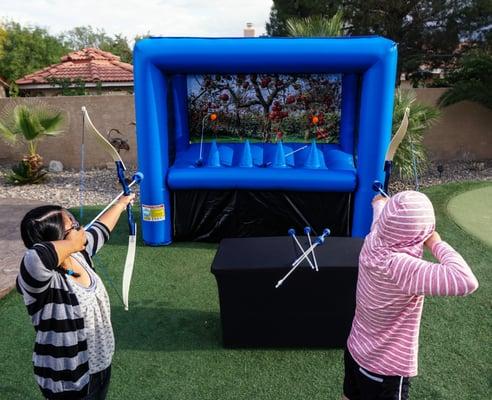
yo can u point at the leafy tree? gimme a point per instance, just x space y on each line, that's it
3 37
427 32
472 81
476 22
119 47
28 124
27 49
86 36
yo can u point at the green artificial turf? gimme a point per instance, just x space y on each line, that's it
168 344
478 222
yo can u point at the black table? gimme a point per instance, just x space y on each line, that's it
309 309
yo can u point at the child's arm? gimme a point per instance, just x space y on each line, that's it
111 217
450 277
38 264
378 204
98 233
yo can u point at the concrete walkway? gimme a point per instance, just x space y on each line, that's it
11 213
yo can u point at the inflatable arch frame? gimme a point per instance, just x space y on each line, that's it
161 66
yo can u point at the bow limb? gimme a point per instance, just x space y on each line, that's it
394 144
132 226
108 147
399 135
129 263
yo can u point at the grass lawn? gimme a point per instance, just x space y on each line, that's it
478 223
168 344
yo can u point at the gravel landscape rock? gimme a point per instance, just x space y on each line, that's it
101 185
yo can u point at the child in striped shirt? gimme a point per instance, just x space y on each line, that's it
382 347
67 301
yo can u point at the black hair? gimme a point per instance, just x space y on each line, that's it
43 224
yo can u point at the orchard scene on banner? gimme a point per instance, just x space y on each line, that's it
266 107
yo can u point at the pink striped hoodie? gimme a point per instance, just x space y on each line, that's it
393 281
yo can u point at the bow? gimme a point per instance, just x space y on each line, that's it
395 143
132 226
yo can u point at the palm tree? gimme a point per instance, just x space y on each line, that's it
471 81
316 26
28 124
410 158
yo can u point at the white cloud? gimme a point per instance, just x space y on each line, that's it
132 17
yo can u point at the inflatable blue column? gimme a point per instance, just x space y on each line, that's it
375 122
152 143
350 92
180 104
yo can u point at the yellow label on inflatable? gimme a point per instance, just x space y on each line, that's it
154 213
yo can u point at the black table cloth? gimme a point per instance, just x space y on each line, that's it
309 309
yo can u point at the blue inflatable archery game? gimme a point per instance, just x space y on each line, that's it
250 136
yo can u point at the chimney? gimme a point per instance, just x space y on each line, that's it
249 31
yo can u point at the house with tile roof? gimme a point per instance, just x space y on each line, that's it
86 71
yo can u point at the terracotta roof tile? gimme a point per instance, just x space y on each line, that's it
90 65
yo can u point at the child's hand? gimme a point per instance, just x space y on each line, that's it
379 197
77 239
432 240
125 200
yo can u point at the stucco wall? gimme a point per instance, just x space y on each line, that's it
106 112
464 131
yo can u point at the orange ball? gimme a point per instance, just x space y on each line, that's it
315 120
213 117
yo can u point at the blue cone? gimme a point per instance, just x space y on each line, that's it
313 161
279 156
246 160
213 159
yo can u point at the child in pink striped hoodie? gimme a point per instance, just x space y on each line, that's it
382 347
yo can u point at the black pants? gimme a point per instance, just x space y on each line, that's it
99 385
360 384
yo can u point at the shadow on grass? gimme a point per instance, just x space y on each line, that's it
166 329
195 245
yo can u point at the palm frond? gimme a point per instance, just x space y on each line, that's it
472 90
51 123
53 133
28 123
472 80
31 120
316 26
6 133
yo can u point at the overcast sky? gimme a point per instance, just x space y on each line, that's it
132 17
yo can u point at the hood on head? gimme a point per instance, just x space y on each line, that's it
407 219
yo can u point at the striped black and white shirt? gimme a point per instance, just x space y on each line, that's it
60 356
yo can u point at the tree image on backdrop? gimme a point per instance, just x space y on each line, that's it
265 107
